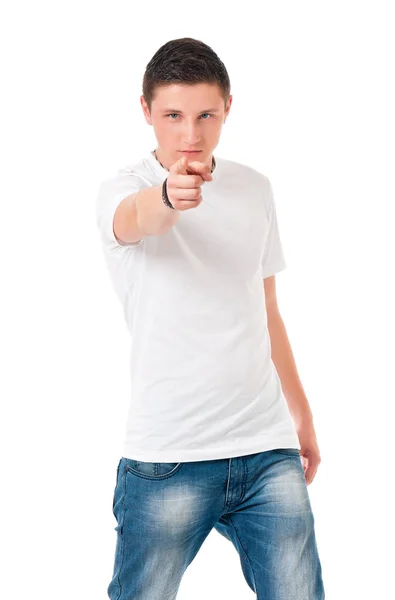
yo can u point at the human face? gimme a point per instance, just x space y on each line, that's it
186 117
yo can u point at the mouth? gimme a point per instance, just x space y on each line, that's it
189 151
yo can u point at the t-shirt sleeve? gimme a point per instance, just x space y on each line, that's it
273 259
110 193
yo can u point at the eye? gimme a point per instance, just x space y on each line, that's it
176 114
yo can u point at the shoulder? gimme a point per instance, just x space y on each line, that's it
245 179
131 177
244 172
136 172
115 186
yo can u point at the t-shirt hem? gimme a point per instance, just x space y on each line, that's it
273 270
199 454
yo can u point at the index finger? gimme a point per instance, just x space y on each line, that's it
196 167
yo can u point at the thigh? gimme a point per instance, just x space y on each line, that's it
272 528
162 520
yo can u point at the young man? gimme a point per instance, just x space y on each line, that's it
192 246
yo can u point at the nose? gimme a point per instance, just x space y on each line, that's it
191 135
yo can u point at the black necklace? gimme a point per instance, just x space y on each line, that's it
154 154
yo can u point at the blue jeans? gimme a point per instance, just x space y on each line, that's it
259 502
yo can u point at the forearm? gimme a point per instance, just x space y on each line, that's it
143 213
152 215
283 359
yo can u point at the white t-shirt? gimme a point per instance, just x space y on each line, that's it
203 384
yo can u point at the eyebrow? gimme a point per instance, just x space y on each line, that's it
174 110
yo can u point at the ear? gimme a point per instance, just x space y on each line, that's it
146 112
229 104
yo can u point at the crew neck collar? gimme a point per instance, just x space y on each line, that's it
163 173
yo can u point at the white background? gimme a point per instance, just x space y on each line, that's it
313 109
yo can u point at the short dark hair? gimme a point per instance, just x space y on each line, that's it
184 60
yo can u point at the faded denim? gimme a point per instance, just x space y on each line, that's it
259 502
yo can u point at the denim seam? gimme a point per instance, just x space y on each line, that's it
227 485
246 556
245 477
227 504
121 533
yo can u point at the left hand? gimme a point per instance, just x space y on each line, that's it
309 451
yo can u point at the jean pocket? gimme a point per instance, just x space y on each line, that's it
151 470
288 451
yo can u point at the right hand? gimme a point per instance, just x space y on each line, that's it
184 182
